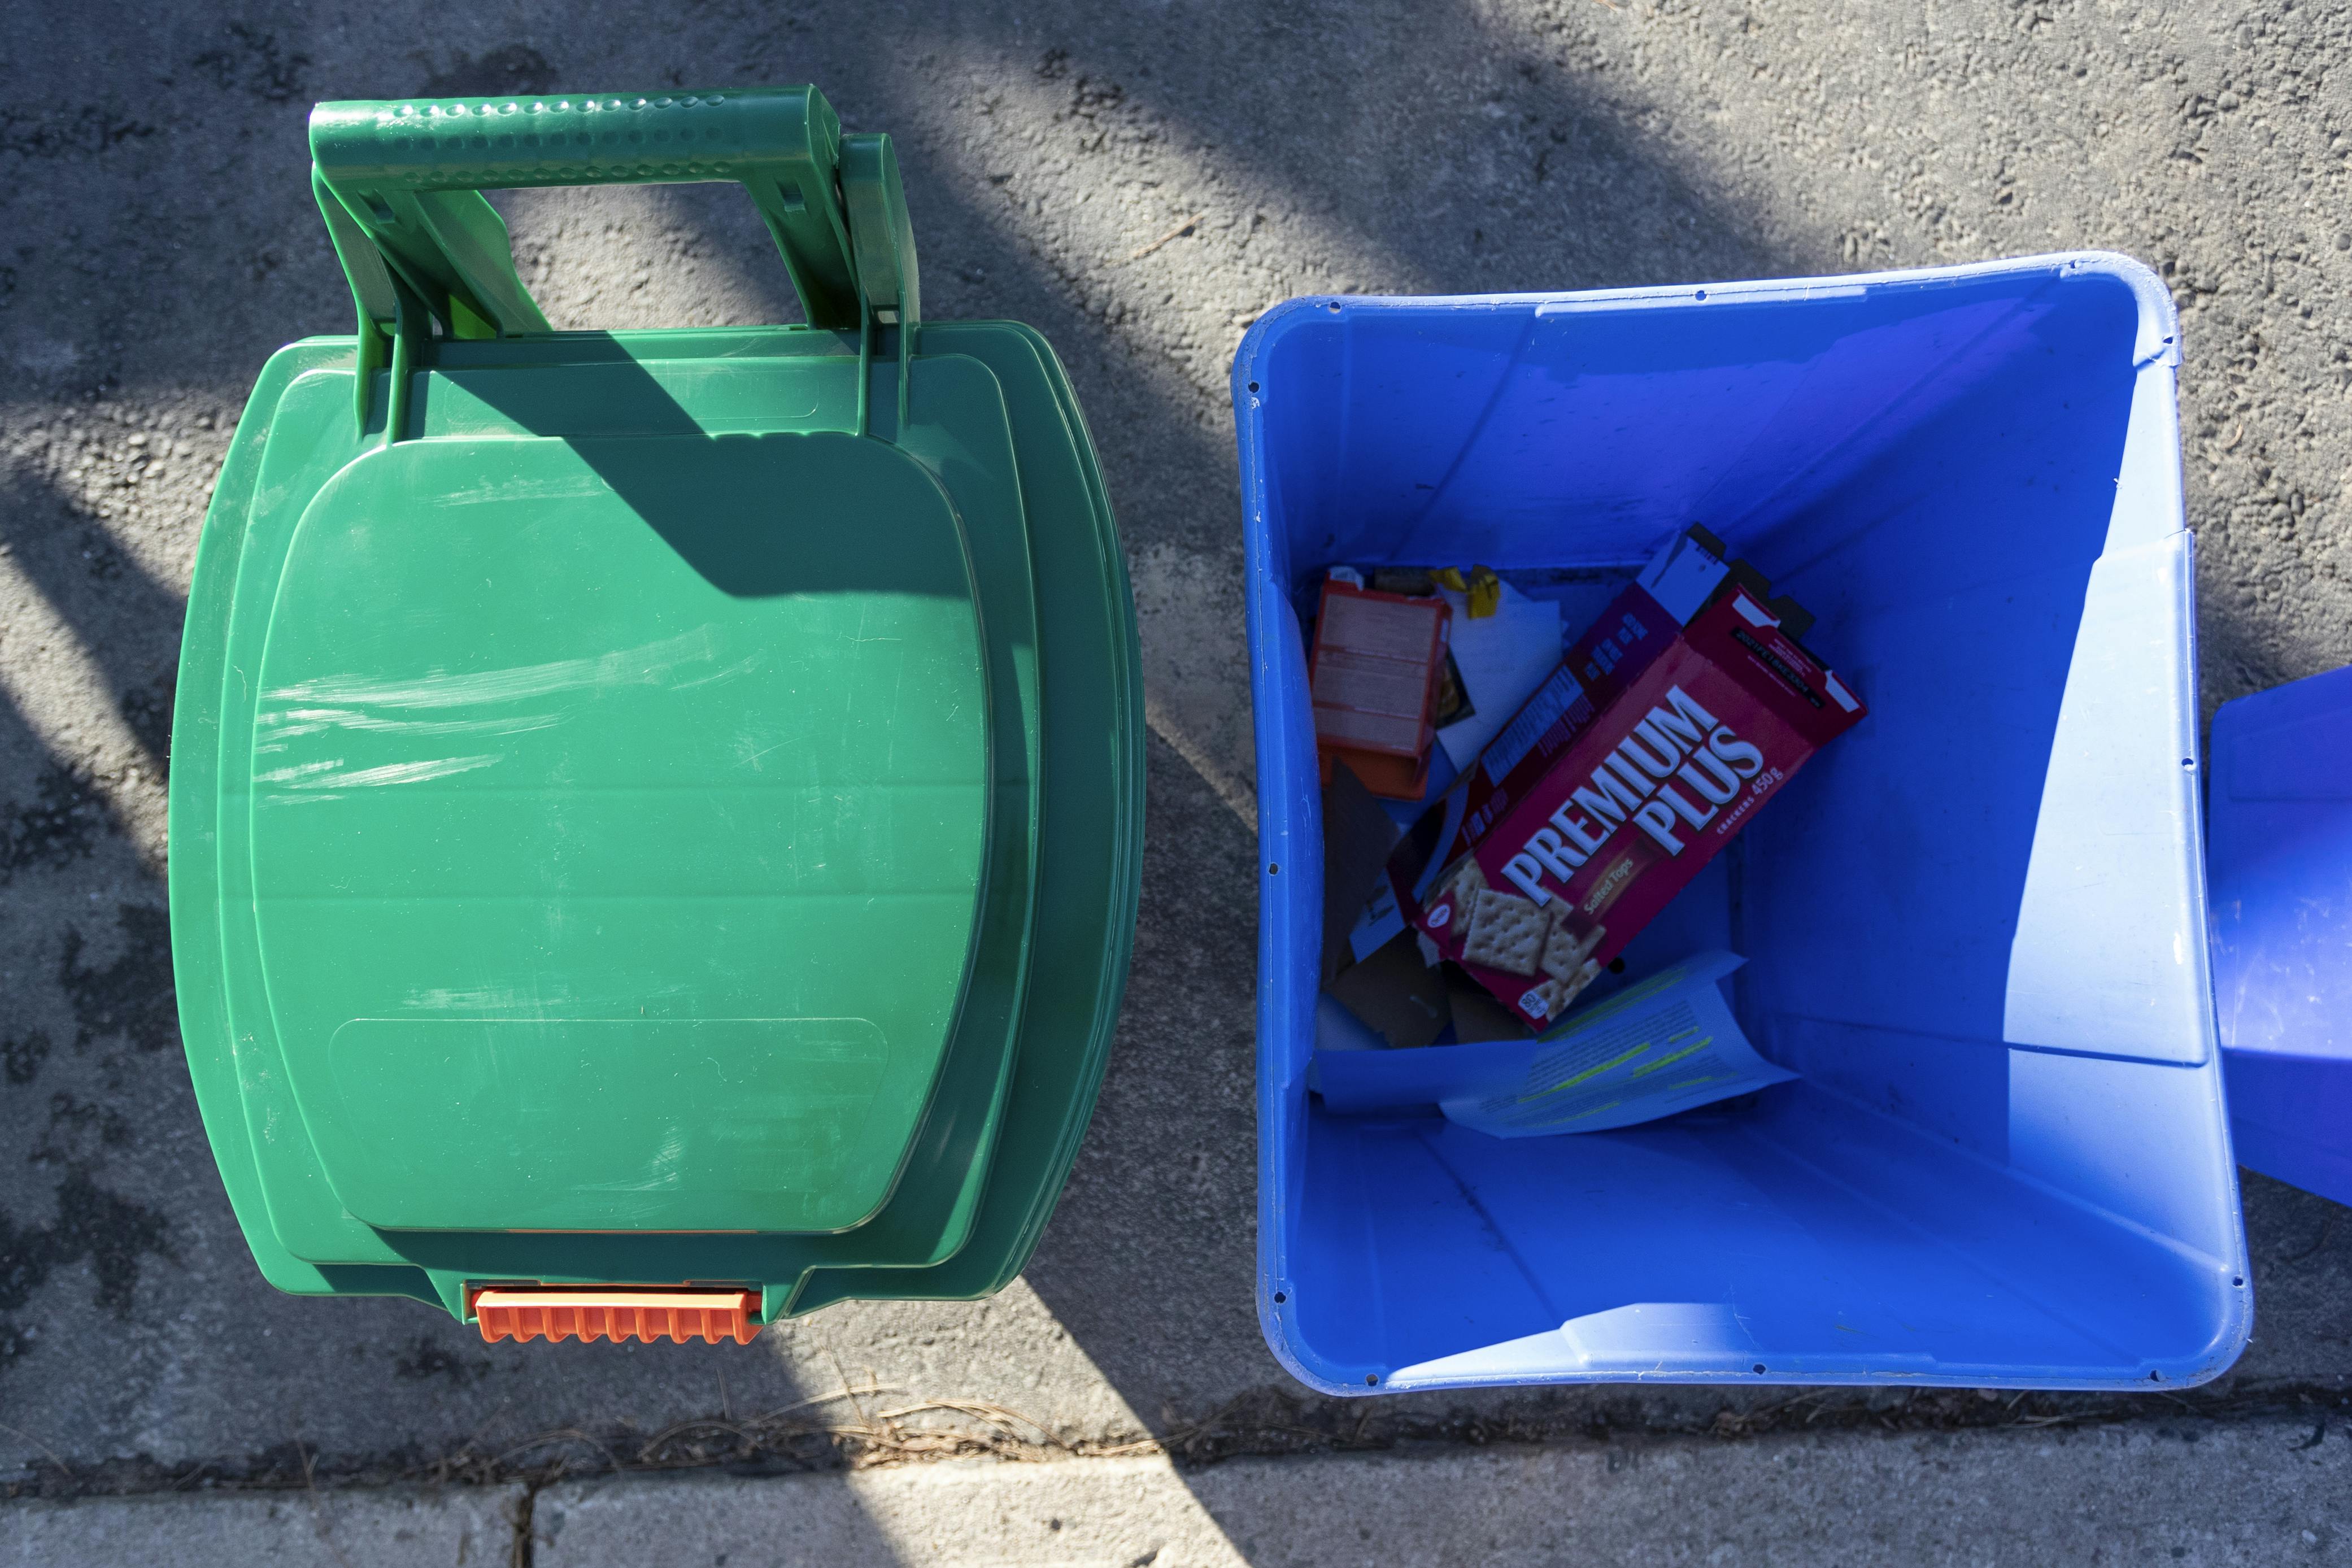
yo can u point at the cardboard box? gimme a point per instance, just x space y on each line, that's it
1683 709
1374 674
1357 838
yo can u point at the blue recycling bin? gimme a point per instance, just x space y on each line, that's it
2280 799
1975 925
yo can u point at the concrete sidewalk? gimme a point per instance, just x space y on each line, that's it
2264 1493
393 1528
1140 183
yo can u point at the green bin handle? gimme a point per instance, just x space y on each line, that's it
399 184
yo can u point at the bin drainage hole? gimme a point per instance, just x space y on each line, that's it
2237 1281
1273 868
1370 1378
1616 966
1702 293
2156 1377
1253 387
1335 310
2188 761
1280 1297
1759 1366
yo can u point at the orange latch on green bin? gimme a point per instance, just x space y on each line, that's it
526 1314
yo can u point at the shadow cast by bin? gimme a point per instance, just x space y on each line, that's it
90 582
756 514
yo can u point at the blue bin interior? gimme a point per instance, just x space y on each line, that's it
1931 462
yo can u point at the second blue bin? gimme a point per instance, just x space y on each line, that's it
1976 925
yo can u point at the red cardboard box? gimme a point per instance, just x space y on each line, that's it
1684 708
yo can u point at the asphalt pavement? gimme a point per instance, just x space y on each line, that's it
1139 182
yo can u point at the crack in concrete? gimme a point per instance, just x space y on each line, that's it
1269 1424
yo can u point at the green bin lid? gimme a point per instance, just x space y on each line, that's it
606 832
618 811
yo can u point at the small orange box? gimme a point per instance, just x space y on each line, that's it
1374 677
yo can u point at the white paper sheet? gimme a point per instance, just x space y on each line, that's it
1663 1045
1502 658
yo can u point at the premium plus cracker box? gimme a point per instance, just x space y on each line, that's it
1670 724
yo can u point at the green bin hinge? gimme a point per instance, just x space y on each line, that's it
400 185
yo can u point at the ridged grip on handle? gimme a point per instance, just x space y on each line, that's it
577 139
409 175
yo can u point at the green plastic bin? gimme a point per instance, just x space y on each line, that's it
655 815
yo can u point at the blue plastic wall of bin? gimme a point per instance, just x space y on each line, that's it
1977 922
2280 848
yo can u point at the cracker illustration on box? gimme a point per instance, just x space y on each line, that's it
1565 954
1505 932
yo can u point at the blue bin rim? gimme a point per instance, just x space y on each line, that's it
2159 320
